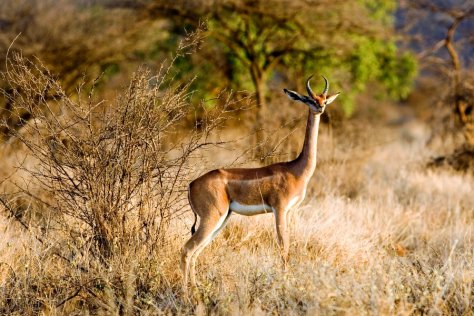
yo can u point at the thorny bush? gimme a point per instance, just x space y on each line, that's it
112 176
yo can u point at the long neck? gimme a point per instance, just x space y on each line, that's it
306 161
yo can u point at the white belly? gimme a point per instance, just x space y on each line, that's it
249 210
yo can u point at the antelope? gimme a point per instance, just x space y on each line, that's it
274 188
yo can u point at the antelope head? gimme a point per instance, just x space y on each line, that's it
317 103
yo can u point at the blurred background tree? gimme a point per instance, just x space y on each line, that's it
252 46
258 42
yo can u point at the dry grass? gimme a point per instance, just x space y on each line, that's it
382 236
379 234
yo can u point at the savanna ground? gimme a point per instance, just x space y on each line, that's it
378 233
94 172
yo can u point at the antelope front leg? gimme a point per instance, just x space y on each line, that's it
282 233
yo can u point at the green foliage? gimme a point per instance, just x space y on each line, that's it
347 102
380 10
380 61
110 69
397 73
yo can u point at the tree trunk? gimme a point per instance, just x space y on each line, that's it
259 83
463 157
462 108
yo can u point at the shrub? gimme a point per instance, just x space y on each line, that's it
110 177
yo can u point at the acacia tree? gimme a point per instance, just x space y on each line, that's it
262 38
250 42
253 42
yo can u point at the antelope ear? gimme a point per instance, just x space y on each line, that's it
331 98
294 95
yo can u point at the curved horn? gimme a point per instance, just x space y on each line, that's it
326 87
308 87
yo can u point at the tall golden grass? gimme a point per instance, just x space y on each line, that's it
378 233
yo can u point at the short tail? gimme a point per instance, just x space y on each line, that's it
193 228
